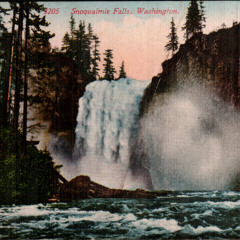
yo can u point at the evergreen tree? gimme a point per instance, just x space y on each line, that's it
193 20
81 49
90 32
96 57
26 16
88 57
69 41
33 24
78 46
109 69
172 45
66 44
202 16
122 73
16 58
72 26
223 25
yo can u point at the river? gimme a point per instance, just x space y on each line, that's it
212 214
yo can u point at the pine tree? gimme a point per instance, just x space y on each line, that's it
172 45
26 16
202 16
33 24
81 50
90 32
193 20
66 44
109 69
224 25
88 57
69 42
72 26
79 46
122 73
72 42
96 57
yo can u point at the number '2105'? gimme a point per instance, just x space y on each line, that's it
51 10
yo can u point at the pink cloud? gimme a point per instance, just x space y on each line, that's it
131 20
141 47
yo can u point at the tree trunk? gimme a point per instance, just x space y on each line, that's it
18 70
25 82
8 85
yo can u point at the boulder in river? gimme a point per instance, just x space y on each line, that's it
81 187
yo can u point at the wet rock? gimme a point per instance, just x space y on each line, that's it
81 187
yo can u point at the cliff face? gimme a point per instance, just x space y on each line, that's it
211 61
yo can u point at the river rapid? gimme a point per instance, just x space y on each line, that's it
180 215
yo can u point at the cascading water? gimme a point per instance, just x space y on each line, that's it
107 129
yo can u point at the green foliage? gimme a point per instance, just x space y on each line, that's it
24 179
202 16
78 47
172 45
122 73
96 57
193 19
109 69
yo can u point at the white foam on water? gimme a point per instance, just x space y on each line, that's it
99 216
231 193
226 204
237 228
170 225
27 210
208 213
130 217
200 229
159 210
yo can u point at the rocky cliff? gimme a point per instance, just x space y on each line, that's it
211 61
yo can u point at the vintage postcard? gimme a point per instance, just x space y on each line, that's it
119 120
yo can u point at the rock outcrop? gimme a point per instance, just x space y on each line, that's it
81 187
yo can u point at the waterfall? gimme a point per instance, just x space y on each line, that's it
188 139
107 130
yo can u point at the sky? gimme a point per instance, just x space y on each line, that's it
137 39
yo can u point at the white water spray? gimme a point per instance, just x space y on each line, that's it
192 141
